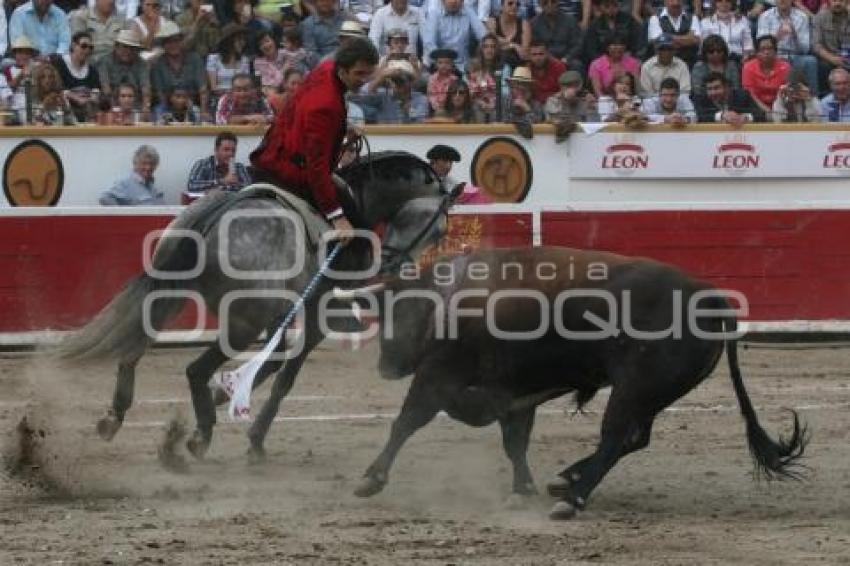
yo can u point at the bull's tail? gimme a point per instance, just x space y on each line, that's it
773 459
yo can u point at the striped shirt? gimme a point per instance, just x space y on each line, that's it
206 175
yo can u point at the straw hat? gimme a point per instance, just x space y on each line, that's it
129 38
168 29
399 66
350 28
23 43
522 75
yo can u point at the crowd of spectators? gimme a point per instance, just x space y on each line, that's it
124 62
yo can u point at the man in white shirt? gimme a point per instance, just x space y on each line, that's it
396 15
663 65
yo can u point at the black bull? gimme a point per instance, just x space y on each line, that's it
479 378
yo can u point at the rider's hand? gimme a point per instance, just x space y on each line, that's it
353 133
345 231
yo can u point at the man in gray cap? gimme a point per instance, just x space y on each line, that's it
569 106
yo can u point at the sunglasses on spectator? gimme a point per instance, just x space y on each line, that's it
86 46
714 50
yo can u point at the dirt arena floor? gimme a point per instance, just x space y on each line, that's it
687 499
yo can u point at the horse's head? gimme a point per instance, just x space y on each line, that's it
400 190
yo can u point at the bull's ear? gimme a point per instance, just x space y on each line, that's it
456 190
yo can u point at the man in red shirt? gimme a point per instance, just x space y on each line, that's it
300 150
546 71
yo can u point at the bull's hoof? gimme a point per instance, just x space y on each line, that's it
369 486
562 511
198 444
108 426
559 488
256 455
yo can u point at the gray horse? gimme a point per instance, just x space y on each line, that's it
392 188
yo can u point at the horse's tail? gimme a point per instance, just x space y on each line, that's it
124 326
773 459
119 328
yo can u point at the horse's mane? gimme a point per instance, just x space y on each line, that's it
387 165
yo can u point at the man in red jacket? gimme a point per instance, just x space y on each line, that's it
300 150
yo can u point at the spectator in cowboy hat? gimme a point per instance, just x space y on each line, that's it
44 24
23 51
392 99
443 76
125 66
176 66
103 21
397 50
321 30
522 109
397 15
228 60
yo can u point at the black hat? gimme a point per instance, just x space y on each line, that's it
443 54
441 151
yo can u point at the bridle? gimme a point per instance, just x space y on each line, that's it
399 255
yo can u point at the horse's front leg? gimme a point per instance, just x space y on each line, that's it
283 382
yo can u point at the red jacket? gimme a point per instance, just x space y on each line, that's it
546 79
301 148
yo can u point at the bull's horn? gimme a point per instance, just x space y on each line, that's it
351 294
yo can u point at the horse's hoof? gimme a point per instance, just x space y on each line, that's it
220 396
370 486
526 489
562 511
517 501
108 427
256 455
559 487
198 445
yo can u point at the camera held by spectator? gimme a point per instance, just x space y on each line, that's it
795 102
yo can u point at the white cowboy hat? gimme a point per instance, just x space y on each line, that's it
168 29
350 28
129 38
23 43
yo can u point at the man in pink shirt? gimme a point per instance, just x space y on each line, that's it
765 73
546 71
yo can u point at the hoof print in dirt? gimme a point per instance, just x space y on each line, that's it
175 432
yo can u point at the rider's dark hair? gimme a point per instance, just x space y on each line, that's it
356 50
